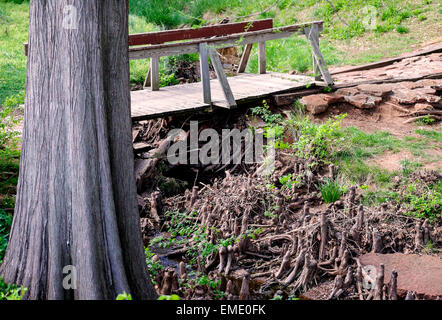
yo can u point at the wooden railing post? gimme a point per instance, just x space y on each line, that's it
262 57
155 73
205 73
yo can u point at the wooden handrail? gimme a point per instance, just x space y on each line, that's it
161 37
203 32
234 39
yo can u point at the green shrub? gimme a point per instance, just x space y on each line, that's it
317 141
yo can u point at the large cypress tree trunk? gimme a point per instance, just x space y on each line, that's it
76 202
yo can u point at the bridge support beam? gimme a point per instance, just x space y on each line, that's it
319 65
217 65
245 58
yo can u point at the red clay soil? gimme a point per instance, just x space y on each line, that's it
421 274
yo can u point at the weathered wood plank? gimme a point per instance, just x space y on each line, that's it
289 98
205 73
245 58
246 88
216 62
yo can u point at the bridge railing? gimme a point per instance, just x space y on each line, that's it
206 47
206 40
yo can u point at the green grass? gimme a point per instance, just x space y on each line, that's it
13 33
173 13
363 145
431 134
292 53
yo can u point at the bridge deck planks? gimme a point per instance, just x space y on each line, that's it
147 104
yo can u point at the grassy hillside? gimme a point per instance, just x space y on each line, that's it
355 31
349 37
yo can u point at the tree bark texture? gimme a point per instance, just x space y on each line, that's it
76 201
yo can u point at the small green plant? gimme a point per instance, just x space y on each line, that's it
171 297
425 205
402 29
219 295
378 197
425 120
124 296
429 248
266 114
153 266
11 292
409 167
270 214
331 191
206 281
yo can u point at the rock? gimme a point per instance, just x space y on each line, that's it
421 274
407 85
347 91
378 90
314 103
433 83
363 101
407 96
423 106
332 98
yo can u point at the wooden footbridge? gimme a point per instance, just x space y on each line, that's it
222 92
